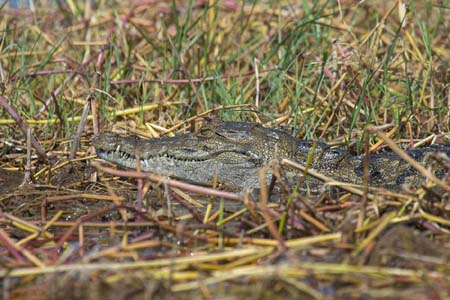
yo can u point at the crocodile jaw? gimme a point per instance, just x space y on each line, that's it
187 161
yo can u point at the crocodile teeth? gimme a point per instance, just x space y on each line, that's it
118 148
145 163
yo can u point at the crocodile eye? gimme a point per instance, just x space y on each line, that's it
205 132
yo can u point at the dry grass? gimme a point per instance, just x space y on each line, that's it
323 69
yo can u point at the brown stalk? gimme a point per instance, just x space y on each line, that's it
188 206
181 185
47 72
77 137
27 175
187 81
326 179
265 211
9 244
366 178
88 104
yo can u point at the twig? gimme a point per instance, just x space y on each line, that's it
87 106
95 122
27 175
326 179
257 82
264 199
366 178
48 72
186 81
181 185
77 137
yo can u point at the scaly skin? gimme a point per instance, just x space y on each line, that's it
234 152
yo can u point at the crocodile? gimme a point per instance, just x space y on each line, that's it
233 152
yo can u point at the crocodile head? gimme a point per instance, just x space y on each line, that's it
231 151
